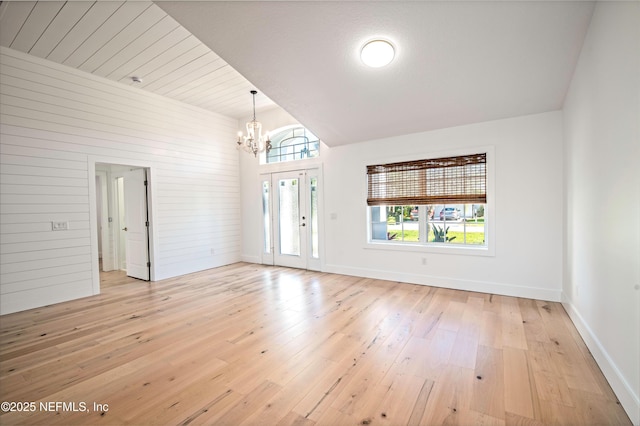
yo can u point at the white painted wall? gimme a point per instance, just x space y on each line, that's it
528 213
601 290
527 217
56 123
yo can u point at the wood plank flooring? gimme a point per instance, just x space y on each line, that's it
256 345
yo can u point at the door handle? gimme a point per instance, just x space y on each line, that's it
125 229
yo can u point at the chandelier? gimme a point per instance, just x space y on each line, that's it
254 141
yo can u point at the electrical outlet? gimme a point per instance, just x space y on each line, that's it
213 251
59 226
424 261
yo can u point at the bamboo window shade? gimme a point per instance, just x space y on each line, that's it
461 179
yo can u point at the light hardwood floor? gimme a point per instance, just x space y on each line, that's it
249 344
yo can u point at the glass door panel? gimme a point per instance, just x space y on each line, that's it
266 216
313 216
289 216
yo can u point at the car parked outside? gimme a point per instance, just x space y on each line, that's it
449 213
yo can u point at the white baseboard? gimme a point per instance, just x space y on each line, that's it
446 282
250 259
625 394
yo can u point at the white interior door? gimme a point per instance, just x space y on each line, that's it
121 240
136 224
291 219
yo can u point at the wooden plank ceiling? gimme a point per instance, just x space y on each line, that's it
122 39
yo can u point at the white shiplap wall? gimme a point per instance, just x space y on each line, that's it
55 124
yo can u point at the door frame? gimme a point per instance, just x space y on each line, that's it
104 227
93 217
315 264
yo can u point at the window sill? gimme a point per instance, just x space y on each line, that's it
432 248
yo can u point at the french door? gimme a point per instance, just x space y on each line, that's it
290 202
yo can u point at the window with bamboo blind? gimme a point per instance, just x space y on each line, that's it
434 200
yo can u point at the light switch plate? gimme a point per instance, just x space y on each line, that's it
59 226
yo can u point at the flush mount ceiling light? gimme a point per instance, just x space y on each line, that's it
377 53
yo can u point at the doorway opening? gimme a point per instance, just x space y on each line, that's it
123 220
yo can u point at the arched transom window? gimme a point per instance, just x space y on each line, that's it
293 143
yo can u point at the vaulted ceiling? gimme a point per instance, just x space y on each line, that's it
122 39
456 62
